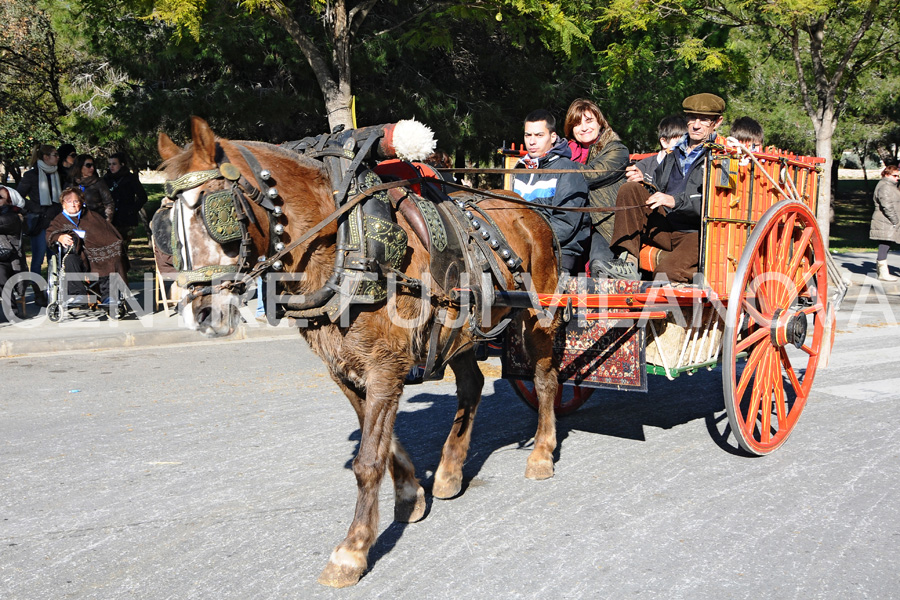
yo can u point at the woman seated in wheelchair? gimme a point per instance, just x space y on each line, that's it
87 243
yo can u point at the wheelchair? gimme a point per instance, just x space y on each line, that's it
60 304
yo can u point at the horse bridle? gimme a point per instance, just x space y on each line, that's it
242 192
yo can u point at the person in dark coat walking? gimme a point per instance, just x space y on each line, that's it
885 226
130 197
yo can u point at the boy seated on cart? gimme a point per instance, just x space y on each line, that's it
662 207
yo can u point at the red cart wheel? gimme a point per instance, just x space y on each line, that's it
569 398
776 318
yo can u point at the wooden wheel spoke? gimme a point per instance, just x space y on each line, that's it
749 370
756 394
791 373
771 246
780 400
766 388
752 339
803 283
800 250
757 316
763 279
761 288
787 236
818 307
756 267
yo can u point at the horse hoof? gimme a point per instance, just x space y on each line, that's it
338 576
539 470
446 486
410 511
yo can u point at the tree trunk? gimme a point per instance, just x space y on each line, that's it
333 77
886 154
337 104
824 134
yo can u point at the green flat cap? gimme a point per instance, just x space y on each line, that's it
704 104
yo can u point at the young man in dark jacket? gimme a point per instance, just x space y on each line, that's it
546 150
668 200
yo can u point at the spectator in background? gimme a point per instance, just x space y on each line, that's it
40 186
15 199
595 145
885 226
67 156
12 259
96 195
129 195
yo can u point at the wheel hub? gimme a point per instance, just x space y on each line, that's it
788 327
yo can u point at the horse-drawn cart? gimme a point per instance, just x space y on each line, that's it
382 275
761 305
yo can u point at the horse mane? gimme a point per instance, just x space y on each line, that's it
180 164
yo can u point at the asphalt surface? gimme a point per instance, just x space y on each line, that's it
220 469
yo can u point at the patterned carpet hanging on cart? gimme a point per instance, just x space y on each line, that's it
593 353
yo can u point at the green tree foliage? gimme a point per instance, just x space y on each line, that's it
830 45
31 81
643 75
240 75
327 31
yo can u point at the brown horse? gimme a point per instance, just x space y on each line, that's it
370 357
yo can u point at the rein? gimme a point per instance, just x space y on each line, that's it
241 188
485 193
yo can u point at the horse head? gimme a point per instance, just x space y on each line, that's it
226 218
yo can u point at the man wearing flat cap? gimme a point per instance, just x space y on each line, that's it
666 202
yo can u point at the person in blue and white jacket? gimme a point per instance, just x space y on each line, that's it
547 150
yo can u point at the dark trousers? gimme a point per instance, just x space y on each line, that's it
127 233
641 225
75 279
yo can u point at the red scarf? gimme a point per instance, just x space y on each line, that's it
580 152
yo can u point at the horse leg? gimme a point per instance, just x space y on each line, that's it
546 383
348 561
469 383
409 495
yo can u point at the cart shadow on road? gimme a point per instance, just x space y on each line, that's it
666 404
504 421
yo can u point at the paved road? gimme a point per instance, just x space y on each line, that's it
221 471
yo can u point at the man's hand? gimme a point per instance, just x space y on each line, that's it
659 199
66 239
633 174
